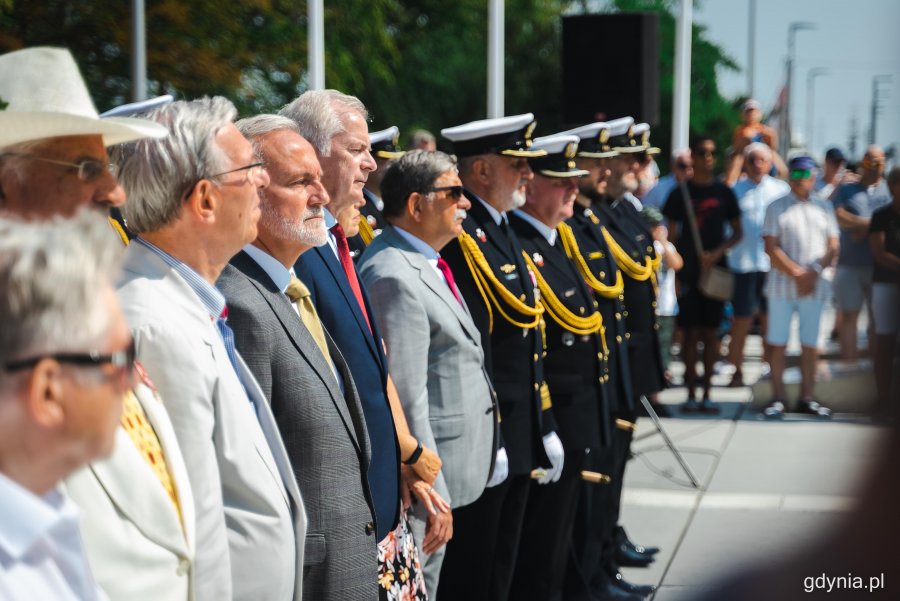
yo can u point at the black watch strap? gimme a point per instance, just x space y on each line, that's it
415 454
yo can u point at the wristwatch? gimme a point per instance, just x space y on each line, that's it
816 266
415 454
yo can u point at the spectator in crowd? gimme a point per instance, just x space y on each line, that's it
435 349
422 139
299 368
833 174
192 200
666 301
146 468
751 129
66 360
714 207
681 167
854 204
801 239
748 259
53 156
884 241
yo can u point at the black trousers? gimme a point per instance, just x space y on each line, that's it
479 561
547 534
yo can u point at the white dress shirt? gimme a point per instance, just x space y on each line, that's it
543 229
41 553
422 248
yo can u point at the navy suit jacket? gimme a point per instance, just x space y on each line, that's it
330 292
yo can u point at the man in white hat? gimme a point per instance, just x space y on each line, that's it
52 142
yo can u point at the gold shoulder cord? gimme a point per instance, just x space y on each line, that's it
119 230
365 230
632 269
567 320
567 236
489 287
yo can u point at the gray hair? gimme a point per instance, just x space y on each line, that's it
254 128
318 113
50 273
760 148
416 171
156 174
679 153
422 136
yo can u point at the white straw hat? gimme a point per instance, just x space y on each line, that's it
42 95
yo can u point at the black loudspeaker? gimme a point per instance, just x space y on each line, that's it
610 67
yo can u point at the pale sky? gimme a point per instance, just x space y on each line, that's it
854 39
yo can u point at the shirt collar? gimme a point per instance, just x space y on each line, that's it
496 215
278 273
27 517
211 298
417 243
545 230
330 221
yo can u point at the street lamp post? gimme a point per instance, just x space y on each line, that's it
793 28
876 104
811 76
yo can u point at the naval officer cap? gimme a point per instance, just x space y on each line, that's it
560 158
593 140
508 136
641 134
621 135
386 143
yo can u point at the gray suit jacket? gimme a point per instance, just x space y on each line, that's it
250 520
436 362
324 431
135 542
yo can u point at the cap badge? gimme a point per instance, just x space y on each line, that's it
528 131
571 149
604 136
507 268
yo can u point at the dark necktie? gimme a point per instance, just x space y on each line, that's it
448 275
349 270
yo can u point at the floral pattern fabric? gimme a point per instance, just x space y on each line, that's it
400 575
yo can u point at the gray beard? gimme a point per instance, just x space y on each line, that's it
295 231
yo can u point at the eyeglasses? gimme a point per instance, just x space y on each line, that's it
122 360
254 171
455 192
88 169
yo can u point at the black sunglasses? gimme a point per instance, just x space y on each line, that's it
123 360
453 191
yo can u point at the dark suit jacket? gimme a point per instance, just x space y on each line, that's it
595 252
375 220
623 223
573 365
512 356
323 430
321 271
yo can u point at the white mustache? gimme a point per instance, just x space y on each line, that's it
312 213
460 214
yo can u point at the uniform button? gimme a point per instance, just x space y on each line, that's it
535 357
595 304
649 249
621 297
600 379
625 313
618 339
618 316
522 297
581 310
370 528
544 354
656 326
653 304
183 566
627 335
536 387
602 274
599 355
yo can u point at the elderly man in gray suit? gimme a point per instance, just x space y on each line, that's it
434 347
301 371
192 199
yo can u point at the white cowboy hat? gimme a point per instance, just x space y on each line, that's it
42 95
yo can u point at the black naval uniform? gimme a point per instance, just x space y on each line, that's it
594 538
374 221
575 371
481 556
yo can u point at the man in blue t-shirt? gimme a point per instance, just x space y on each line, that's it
854 204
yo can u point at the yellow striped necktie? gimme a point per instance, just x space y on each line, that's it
299 294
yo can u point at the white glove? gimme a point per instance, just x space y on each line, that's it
555 453
501 468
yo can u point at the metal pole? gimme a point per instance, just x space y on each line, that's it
876 105
793 28
751 49
138 52
811 76
316 44
495 100
681 102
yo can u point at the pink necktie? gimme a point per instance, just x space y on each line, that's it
349 270
448 275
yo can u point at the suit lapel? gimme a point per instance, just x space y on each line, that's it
340 280
299 335
147 507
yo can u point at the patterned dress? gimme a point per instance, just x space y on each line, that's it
400 575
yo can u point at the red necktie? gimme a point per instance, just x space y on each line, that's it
448 275
349 270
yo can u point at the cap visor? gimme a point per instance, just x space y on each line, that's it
387 154
597 155
571 173
524 153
